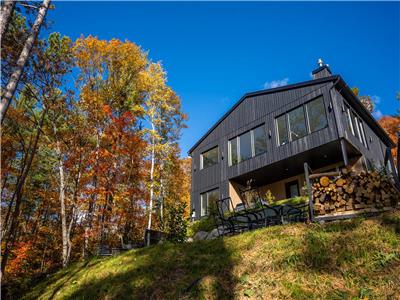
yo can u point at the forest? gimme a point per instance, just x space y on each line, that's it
89 148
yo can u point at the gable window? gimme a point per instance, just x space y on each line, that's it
316 114
297 123
300 121
206 199
247 145
282 130
209 158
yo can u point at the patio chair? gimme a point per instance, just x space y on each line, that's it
232 222
267 215
294 213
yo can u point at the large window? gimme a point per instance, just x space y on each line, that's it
283 137
260 140
209 158
297 123
247 145
293 124
316 114
207 199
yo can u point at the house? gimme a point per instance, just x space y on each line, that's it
268 135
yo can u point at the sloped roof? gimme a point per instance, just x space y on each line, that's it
263 92
344 88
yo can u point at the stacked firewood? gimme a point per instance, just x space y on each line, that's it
338 192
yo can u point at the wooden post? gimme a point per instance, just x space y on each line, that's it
309 189
344 152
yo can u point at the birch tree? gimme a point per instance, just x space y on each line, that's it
7 9
162 111
11 87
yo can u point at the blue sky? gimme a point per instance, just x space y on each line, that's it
214 52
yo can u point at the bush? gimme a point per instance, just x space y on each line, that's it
177 224
204 224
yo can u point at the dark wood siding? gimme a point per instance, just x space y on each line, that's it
376 147
253 111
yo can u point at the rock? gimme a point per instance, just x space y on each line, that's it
201 235
213 234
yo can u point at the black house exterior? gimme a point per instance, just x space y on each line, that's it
267 136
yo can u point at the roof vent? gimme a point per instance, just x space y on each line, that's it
322 70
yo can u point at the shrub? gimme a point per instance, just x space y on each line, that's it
177 224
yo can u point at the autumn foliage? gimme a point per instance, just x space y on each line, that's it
86 144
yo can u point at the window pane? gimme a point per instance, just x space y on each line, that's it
354 121
294 191
203 199
213 197
210 158
233 152
364 140
297 123
245 146
282 130
349 123
260 140
316 114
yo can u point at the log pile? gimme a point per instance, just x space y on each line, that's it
339 192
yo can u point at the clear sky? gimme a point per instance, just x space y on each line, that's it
216 52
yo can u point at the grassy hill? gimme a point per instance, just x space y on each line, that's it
341 260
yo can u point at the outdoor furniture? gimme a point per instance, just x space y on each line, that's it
267 215
294 213
232 221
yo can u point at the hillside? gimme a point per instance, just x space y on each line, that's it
341 260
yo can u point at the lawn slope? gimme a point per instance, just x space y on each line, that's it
341 260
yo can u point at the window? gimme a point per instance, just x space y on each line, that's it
292 189
297 123
247 145
355 125
233 151
260 140
354 122
364 140
206 199
282 130
209 158
316 114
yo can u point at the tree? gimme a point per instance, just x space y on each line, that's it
365 100
162 111
11 87
391 125
50 68
7 9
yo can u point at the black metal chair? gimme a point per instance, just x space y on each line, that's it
267 215
294 213
231 221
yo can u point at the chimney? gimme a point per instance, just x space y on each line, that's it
322 70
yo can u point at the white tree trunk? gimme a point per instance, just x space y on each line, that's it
62 203
5 17
23 58
151 176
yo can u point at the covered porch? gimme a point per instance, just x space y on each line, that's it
286 178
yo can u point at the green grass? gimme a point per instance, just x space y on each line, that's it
356 259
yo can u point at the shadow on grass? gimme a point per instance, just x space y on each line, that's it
167 271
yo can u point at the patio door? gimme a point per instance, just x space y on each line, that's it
292 189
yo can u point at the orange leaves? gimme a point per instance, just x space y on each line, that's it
391 124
